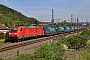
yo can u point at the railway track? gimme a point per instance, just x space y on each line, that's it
13 46
25 43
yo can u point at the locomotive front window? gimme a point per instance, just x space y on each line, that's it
13 29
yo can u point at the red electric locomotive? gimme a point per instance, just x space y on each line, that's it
17 33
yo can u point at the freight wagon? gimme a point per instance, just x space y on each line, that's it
60 29
71 28
66 29
50 30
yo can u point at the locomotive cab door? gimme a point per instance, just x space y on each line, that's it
20 33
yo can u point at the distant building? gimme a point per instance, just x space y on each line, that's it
72 17
3 28
84 24
41 25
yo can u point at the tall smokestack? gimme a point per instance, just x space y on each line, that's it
52 17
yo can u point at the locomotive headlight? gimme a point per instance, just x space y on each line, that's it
9 33
15 33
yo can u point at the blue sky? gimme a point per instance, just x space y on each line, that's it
41 9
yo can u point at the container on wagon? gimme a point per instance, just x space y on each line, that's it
60 28
72 28
75 27
50 29
66 28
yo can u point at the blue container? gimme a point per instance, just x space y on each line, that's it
72 27
50 29
66 28
75 27
60 28
80 27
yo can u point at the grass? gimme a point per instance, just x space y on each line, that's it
82 54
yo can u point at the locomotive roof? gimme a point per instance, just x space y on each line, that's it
31 26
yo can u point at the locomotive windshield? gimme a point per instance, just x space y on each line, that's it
13 29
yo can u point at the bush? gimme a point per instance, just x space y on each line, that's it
2 35
86 32
44 53
62 40
6 35
58 50
2 40
88 42
0 58
75 42
52 51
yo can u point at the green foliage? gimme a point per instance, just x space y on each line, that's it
63 23
57 49
53 51
10 17
0 59
88 42
6 35
2 35
76 42
44 53
63 40
86 32
2 40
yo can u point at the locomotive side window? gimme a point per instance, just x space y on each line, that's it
13 29
21 29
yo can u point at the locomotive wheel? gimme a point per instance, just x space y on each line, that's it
35 37
19 40
12 41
